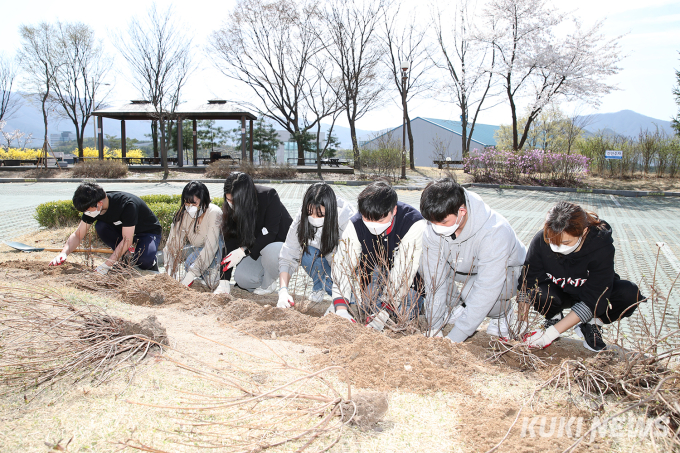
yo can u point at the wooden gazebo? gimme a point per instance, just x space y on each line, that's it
144 110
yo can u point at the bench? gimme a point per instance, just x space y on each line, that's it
447 162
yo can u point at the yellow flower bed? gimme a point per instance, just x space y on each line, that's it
16 153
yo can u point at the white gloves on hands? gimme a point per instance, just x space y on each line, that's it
285 299
58 260
232 259
543 338
188 279
103 268
223 288
379 320
342 312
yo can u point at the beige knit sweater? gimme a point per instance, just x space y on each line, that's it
206 235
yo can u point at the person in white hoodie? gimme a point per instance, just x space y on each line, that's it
467 244
312 241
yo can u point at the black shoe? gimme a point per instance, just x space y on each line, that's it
592 336
549 322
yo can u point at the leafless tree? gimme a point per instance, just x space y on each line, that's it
37 58
350 35
532 61
8 100
468 64
80 69
270 47
574 126
324 101
158 50
406 42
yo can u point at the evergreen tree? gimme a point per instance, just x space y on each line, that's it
265 140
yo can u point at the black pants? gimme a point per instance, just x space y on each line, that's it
623 301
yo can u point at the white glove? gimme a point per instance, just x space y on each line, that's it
232 259
58 260
378 321
285 299
343 313
542 339
223 287
103 269
188 279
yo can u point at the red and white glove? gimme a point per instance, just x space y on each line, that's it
343 313
541 339
58 260
285 299
379 320
232 259
188 279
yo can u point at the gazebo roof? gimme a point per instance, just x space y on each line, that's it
143 110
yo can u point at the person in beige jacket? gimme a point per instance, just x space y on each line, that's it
194 246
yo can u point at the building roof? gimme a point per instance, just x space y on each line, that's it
483 133
210 110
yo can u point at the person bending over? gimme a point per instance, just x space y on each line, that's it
570 264
124 222
254 224
312 240
469 244
377 259
196 222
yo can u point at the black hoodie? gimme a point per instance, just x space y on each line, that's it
587 274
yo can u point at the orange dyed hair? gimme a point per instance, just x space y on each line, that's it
570 218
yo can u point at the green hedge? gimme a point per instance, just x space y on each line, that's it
57 214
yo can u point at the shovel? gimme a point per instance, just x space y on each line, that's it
28 248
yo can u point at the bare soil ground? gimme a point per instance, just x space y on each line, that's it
441 396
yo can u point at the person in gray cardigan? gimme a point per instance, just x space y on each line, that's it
312 241
467 244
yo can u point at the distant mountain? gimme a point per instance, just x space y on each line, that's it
28 118
345 136
626 122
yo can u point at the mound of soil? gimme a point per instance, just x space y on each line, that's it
40 266
161 289
367 410
149 327
248 316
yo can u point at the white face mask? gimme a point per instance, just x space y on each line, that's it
442 230
565 249
231 205
377 228
93 213
191 210
315 222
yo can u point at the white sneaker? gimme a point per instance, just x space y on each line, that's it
264 291
498 327
317 296
223 287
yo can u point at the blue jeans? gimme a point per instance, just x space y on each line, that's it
410 307
145 248
318 269
211 275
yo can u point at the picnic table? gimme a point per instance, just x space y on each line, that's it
447 162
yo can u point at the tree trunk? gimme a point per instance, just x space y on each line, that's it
164 151
410 142
318 149
154 137
300 148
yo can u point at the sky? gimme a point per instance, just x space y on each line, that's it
650 41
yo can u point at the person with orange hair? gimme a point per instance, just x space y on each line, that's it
570 264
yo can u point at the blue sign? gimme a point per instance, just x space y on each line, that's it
611 154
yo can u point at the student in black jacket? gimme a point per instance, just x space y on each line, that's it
255 224
570 264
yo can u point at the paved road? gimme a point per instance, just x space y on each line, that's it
638 223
